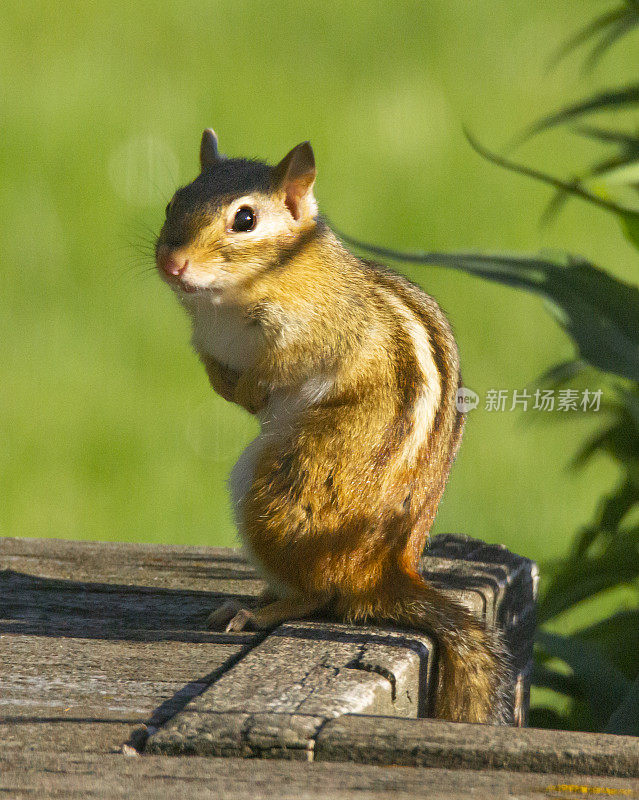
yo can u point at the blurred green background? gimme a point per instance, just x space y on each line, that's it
108 427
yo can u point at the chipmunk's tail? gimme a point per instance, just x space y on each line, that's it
474 679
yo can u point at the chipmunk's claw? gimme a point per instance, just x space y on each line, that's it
219 618
242 620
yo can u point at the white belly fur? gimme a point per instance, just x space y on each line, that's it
274 423
223 332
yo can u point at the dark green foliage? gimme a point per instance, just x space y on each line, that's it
593 675
625 718
609 100
602 33
606 635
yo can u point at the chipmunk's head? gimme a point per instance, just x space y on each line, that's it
235 220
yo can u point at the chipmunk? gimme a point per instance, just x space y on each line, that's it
352 372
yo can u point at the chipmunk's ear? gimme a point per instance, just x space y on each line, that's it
294 176
208 149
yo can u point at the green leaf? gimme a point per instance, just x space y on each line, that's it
573 187
546 678
610 166
544 717
617 505
630 227
609 27
578 579
582 543
625 173
625 718
621 169
615 32
630 402
618 637
601 684
610 99
628 142
562 373
618 442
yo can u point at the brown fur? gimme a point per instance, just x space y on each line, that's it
337 514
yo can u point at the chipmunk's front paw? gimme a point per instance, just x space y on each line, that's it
242 620
219 618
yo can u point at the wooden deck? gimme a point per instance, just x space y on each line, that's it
105 664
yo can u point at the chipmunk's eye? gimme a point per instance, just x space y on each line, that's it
244 220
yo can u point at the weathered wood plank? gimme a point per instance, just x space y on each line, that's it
116 777
207 569
275 700
423 742
97 639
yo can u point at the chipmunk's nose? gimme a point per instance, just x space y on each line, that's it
172 262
